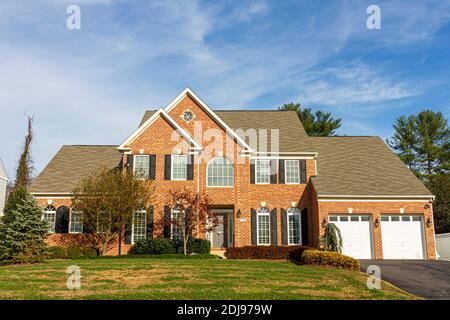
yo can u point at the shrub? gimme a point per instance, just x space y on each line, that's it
329 258
266 252
70 252
170 246
57 253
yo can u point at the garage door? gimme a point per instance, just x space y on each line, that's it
402 237
356 233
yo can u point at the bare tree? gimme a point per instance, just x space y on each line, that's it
24 168
108 200
190 215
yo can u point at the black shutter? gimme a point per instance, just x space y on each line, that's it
128 226
167 221
252 171
149 229
273 171
302 171
130 161
62 220
304 224
152 167
167 166
281 171
284 225
254 227
273 227
190 167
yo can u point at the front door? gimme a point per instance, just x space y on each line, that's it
221 236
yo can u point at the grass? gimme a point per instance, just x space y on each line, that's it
168 278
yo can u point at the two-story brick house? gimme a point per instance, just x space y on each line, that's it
268 181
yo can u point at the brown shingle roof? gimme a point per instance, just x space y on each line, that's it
362 166
70 164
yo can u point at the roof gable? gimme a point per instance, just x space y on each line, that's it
150 121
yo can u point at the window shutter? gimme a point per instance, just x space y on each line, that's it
302 171
252 171
254 227
167 222
273 227
304 226
149 229
284 226
62 220
130 161
167 166
273 171
152 167
281 171
190 167
127 236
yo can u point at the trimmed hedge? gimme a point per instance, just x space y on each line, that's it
70 252
266 252
329 258
170 246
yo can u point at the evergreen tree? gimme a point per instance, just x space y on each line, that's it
319 124
22 231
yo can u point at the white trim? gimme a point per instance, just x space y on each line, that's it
285 171
372 200
258 213
207 166
256 172
47 197
152 119
277 153
171 166
299 214
230 131
281 157
45 211
3 178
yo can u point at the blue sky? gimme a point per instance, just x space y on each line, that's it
91 86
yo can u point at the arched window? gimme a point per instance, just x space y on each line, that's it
263 226
294 226
220 173
49 215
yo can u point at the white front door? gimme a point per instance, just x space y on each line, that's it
402 237
356 231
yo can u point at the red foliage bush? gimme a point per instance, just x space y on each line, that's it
266 252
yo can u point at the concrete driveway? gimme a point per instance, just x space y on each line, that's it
426 279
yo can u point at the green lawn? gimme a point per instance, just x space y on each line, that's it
149 278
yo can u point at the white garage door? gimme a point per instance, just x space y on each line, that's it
356 233
402 237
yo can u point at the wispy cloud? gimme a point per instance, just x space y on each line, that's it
353 83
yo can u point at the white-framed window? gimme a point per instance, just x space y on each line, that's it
49 215
262 171
177 217
75 222
220 173
179 167
139 228
263 226
292 171
141 166
294 226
